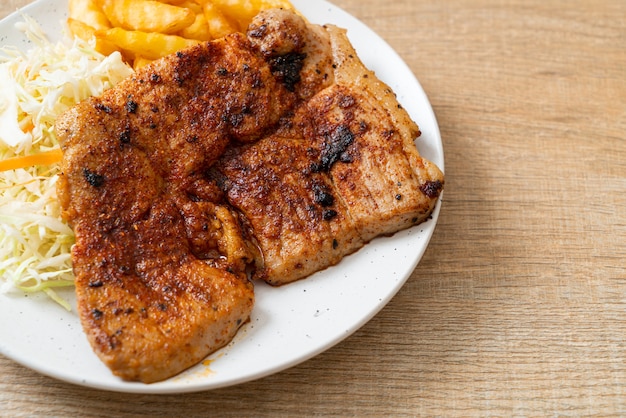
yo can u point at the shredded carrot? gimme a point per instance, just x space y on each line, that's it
29 127
43 158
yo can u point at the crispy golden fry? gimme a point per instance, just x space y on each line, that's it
191 4
145 30
239 11
219 25
84 31
147 15
242 11
88 12
146 44
197 30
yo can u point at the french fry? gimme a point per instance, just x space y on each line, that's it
147 15
88 12
242 11
239 11
145 30
84 31
149 45
190 4
218 23
174 2
197 30
276 4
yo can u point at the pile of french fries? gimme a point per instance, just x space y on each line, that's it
145 30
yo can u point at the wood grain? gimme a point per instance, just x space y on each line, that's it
518 307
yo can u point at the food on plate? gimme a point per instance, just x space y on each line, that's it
147 15
342 171
159 260
144 30
276 151
36 86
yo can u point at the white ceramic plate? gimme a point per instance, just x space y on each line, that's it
289 324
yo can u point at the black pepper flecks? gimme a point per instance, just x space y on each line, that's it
125 136
94 179
131 106
346 101
103 108
329 214
235 119
258 32
97 314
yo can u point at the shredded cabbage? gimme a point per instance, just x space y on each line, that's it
35 87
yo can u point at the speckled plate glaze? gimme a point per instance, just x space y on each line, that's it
289 324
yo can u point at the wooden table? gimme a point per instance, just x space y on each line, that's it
518 307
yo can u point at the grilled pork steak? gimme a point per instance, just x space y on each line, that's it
340 172
276 151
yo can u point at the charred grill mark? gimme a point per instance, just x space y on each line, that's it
94 179
346 158
322 196
334 148
287 69
432 189
329 214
